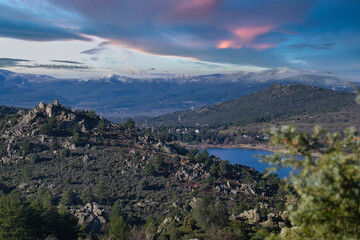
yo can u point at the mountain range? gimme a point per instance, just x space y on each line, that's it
121 96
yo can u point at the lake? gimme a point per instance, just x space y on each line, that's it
245 156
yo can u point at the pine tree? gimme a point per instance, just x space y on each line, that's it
325 182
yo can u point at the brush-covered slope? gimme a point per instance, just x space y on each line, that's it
274 103
87 163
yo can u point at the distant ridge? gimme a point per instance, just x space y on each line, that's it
121 96
276 102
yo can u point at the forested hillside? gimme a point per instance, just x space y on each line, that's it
276 103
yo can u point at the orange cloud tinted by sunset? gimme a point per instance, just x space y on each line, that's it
248 34
244 37
228 44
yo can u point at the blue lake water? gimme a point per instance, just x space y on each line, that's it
245 156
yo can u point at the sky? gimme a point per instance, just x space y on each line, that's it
81 38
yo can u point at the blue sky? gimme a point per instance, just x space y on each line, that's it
71 38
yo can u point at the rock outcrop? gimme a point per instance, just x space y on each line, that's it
190 173
31 125
92 215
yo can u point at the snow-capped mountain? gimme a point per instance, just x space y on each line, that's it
115 95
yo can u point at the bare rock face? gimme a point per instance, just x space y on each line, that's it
68 145
166 222
194 201
41 105
49 110
29 125
92 215
182 175
289 233
189 173
252 216
235 188
284 215
247 189
148 139
269 223
86 158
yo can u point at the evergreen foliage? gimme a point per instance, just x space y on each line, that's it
118 225
67 198
101 125
210 214
129 124
21 219
47 127
325 180
274 103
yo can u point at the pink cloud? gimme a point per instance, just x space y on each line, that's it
228 44
232 44
263 46
248 34
192 9
245 37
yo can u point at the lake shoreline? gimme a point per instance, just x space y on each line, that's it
246 155
248 146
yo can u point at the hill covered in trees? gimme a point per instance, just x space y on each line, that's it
97 179
278 102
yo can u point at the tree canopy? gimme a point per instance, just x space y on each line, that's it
325 182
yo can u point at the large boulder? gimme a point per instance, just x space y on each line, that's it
252 216
92 215
164 224
192 172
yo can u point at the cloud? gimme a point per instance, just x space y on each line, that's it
11 62
66 61
203 64
101 47
20 24
93 51
248 34
258 32
323 46
56 66
103 44
199 29
14 62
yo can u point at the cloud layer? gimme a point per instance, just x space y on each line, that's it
24 63
10 62
264 33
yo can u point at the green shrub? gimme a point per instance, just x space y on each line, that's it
67 198
34 158
210 214
64 153
118 225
